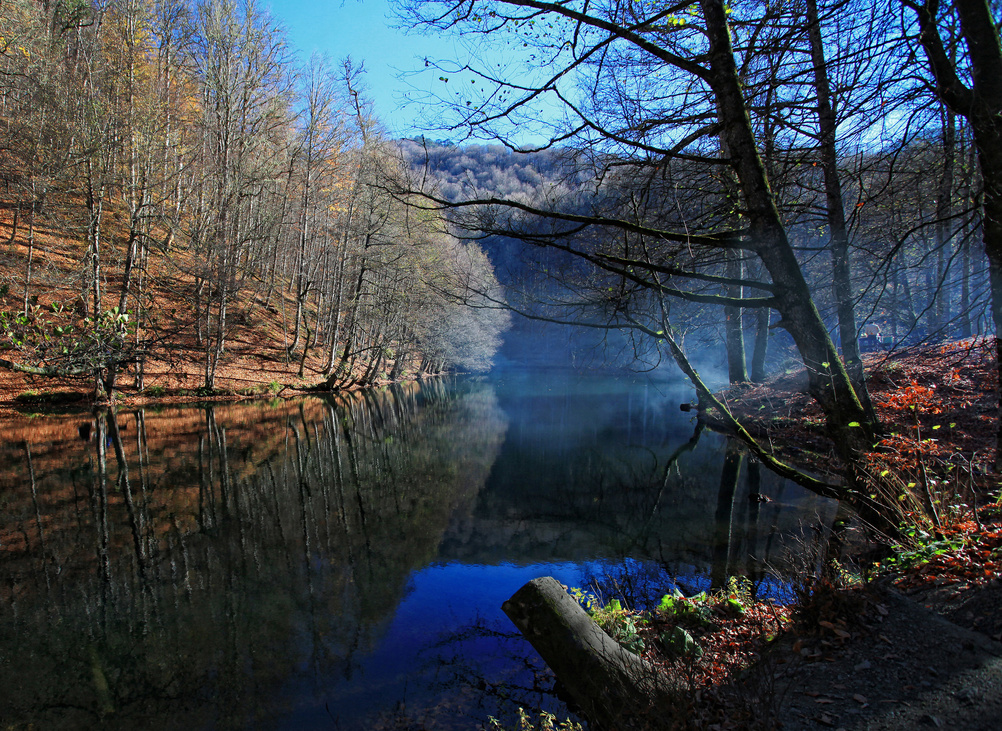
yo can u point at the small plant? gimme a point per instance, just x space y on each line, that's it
922 547
740 594
619 623
694 609
547 722
155 391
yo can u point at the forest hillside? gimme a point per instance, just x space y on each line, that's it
187 205
258 344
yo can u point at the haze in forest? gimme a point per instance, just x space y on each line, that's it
739 190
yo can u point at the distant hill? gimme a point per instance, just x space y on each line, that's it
461 172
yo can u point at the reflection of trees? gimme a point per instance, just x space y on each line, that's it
201 565
656 494
724 515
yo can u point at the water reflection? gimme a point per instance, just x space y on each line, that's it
340 563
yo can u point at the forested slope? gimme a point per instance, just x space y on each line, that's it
178 192
917 277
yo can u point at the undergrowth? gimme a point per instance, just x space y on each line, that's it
546 722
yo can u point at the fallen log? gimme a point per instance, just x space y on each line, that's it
609 683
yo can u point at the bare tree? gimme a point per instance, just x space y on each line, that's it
241 58
971 86
661 83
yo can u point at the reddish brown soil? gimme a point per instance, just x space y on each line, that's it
261 317
251 370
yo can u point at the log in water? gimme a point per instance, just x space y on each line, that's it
607 681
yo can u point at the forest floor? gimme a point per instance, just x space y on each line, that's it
252 369
916 643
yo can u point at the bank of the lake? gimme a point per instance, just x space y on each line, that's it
900 634
893 634
251 372
845 668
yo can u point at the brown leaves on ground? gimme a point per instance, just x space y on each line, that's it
965 556
937 402
939 407
729 682
729 639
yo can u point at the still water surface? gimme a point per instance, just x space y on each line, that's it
340 563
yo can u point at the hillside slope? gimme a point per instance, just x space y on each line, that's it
255 361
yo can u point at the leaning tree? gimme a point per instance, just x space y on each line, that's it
649 86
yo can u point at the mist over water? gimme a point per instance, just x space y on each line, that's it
341 563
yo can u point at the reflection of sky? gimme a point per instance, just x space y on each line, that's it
441 599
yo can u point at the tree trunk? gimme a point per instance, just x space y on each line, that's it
761 350
13 225
608 682
965 291
981 105
842 288
31 254
724 518
733 327
130 260
298 326
199 332
349 338
306 350
95 210
828 381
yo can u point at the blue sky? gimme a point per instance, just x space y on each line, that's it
363 31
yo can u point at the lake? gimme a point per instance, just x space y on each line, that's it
340 563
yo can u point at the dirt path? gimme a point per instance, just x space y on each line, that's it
912 669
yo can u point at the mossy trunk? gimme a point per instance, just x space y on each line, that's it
609 683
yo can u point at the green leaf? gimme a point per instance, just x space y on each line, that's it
680 643
854 424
